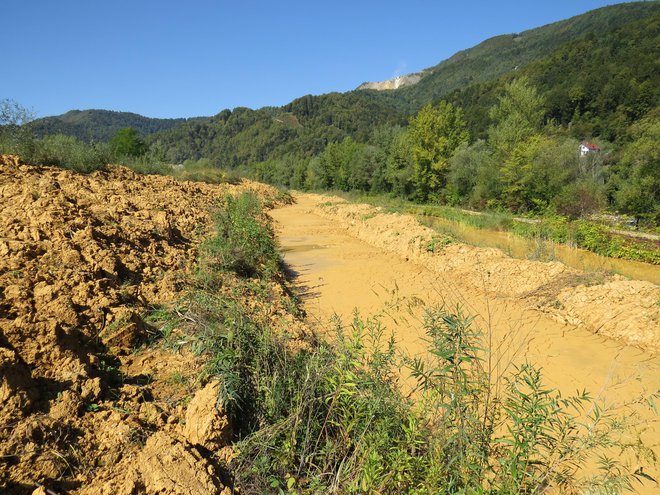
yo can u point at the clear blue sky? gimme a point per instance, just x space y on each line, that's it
176 58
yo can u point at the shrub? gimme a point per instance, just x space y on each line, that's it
68 152
243 242
580 199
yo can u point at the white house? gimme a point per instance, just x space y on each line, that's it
586 148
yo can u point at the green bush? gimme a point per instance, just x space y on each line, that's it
243 242
68 152
332 418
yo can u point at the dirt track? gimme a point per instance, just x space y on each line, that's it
352 256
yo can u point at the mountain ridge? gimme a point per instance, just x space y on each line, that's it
505 53
100 125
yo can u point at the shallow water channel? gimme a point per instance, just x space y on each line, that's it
523 248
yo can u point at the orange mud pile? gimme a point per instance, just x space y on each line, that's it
82 259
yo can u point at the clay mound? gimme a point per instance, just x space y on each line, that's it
206 424
621 309
165 466
170 466
17 389
82 259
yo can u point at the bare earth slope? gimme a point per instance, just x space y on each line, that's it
82 259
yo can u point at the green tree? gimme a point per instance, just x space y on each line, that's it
435 133
466 171
15 137
334 164
367 172
638 198
639 169
518 115
399 166
127 142
579 199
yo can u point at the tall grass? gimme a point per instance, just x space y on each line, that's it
316 415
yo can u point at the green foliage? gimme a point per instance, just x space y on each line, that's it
200 171
598 84
94 126
68 152
590 236
535 171
503 54
335 163
580 199
243 243
518 116
127 142
301 129
638 174
435 133
399 165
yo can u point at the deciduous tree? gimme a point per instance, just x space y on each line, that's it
127 142
435 134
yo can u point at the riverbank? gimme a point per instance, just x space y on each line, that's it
607 241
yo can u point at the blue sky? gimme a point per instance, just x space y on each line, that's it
167 58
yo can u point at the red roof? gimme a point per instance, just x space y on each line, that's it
591 146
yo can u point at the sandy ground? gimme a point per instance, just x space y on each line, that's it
345 257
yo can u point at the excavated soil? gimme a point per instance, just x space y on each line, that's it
85 407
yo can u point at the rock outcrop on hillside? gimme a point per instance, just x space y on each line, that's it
394 83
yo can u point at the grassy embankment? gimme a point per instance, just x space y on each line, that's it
318 415
584 234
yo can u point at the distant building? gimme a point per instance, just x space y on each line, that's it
586 148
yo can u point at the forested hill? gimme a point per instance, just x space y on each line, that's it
503 125
304 127
596 74
597 85
502 54
99 125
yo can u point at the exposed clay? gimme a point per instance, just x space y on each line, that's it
82 259
206 424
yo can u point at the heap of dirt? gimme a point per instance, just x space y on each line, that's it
82 259
611 306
